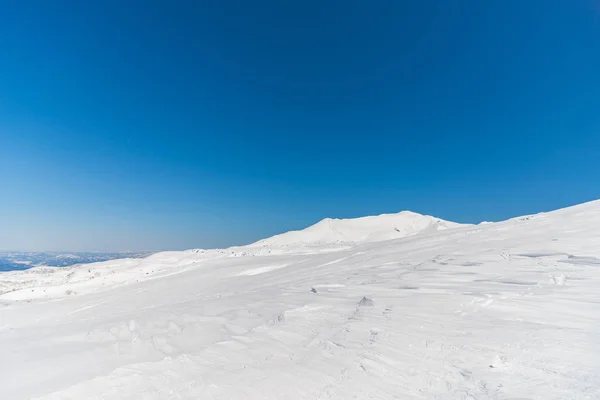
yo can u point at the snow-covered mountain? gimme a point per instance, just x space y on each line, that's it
340 310
361 230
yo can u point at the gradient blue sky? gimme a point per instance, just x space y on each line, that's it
173 125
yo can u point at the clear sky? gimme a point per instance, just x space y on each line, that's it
183 124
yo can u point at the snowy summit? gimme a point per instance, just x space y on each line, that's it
398 306
361 230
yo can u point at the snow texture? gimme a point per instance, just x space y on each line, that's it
399 306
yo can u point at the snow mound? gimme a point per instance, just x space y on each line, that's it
361 230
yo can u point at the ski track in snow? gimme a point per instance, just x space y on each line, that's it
507 310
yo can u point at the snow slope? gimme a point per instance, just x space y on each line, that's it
325 236
507 310
361 230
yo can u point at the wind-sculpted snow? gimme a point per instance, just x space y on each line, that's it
507 310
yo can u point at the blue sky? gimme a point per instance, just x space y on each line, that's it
173 125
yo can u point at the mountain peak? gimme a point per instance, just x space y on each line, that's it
360 230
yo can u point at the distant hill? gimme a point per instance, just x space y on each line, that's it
361 230
14 261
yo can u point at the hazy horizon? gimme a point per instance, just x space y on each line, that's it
240 244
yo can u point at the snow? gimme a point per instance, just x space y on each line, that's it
399 306
357 230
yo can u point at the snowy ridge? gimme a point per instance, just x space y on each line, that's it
328 235
361 230
494 311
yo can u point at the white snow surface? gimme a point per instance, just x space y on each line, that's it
341 310
361 230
